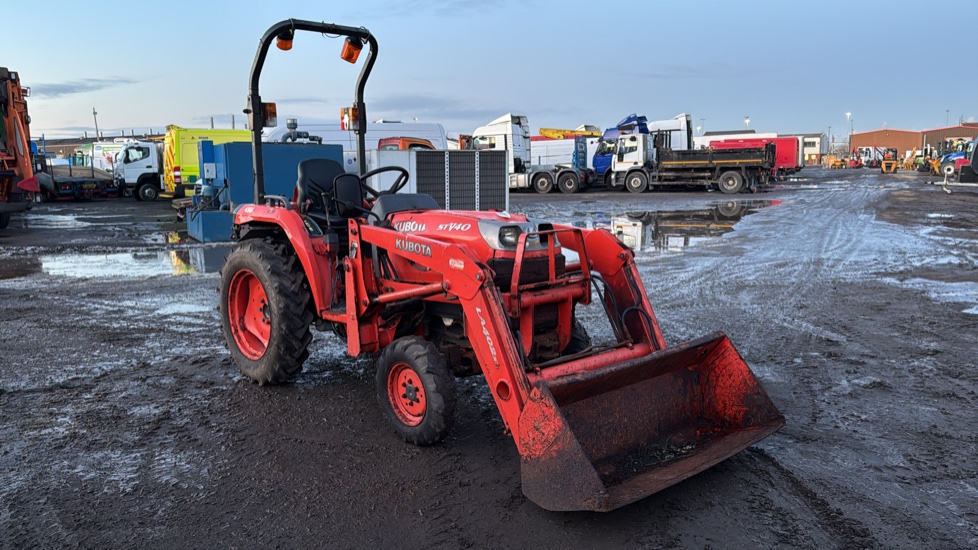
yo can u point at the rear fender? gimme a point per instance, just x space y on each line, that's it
311 251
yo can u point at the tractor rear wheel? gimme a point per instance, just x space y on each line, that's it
730 182
264 311
416 390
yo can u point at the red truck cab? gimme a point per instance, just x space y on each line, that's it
404 144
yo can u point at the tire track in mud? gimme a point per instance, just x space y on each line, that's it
849 532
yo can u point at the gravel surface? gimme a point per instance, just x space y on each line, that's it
852 295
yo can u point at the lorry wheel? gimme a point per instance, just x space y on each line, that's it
146 192
543 183
730 182
636 182
568 183
264 309
4 219
609 180
416 390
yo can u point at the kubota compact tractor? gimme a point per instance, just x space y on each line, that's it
441 294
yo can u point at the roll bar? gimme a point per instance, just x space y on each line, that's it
254 109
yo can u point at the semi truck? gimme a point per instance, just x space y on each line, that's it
17 178
532 166
644 161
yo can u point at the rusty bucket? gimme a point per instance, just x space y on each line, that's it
601 439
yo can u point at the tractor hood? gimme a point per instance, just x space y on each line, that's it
481 232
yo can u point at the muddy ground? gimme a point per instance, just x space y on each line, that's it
852 295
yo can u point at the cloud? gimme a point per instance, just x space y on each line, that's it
429 108
84 85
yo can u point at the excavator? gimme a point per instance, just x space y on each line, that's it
17 180
440 294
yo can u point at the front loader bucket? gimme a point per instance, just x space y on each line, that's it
601 439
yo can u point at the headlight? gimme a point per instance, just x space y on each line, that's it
509 235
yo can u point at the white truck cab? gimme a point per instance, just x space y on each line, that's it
140 169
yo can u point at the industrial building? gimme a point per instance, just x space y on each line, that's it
905 141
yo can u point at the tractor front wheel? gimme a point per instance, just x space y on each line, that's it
264 311
416 390
579 338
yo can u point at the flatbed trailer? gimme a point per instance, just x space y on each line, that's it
74 182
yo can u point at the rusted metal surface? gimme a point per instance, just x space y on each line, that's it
601 439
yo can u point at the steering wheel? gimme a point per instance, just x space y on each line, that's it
399 183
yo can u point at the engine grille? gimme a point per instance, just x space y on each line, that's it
534 270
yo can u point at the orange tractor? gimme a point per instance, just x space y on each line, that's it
440 294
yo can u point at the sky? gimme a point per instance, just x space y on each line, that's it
791 66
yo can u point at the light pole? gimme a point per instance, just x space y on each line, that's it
947 117
698 128
95 116
702 124
849 124
747 121
830 140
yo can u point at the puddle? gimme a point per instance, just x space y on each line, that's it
675 229
118 265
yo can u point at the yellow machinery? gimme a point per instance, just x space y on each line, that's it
889 166
909 163
835 162
558 133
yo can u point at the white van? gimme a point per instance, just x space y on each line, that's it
333 134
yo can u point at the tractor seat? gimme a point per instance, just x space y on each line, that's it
315 184
386 205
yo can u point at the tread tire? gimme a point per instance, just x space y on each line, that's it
579 338
290 317
437 383
730 182
636 182
543 183
569 183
